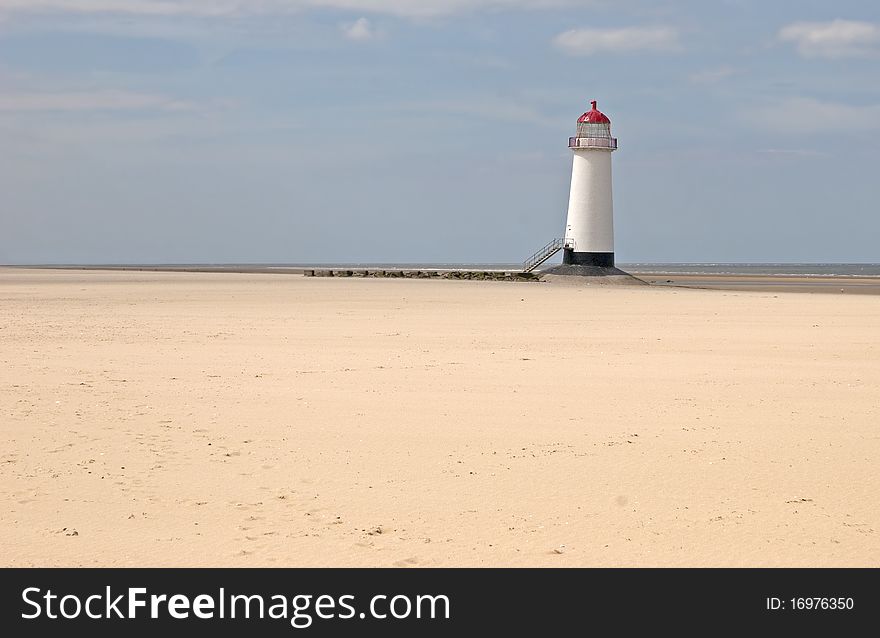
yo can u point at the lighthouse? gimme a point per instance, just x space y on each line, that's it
588 243
589 228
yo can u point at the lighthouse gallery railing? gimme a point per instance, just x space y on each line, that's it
592 142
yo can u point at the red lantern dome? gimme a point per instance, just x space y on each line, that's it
594 116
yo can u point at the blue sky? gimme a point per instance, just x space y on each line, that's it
397 130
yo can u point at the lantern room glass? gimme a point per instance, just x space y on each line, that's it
594 129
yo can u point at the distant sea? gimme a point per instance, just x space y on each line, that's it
791 269
803 270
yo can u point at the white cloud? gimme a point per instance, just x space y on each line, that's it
433 8
404 8
810 116
625 40
138 7
835 39
90 101
360 30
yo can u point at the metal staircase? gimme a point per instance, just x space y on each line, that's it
544 254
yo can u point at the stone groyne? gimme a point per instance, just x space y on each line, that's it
489 275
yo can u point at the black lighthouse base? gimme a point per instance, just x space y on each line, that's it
600 260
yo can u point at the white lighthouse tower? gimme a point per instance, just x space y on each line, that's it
589 229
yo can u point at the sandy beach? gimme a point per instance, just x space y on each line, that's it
222 419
